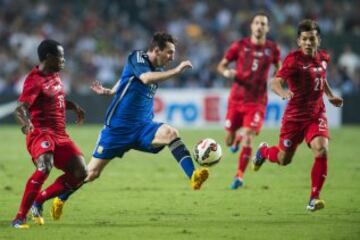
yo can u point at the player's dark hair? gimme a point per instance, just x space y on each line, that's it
46 47
260 13
160 39
308 25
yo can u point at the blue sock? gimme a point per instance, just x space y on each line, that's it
65 195
182 156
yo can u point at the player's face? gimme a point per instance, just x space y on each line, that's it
309 42
56 62
259 26
165 56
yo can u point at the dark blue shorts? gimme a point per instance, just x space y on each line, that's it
114 142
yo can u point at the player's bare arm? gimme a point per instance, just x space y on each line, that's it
23 116
226 72
99 89
333 99
80 113
277 66
154 77
278 89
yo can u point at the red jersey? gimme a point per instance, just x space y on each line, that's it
46 98
252 67
305 76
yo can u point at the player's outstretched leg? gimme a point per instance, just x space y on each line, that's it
198 177
259 158
182 155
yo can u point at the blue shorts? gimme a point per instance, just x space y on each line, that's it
114 142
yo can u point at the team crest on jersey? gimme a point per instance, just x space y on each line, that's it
100 149
287 142
267 51
45 144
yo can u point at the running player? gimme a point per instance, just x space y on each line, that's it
248 96
304 71
129 119
41 112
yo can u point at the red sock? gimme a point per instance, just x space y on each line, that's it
243 160
271 153
32 188
318 176
62 184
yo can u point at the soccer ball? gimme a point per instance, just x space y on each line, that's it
207 152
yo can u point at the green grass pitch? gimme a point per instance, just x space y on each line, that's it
145 196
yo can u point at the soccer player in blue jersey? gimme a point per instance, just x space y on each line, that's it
129 119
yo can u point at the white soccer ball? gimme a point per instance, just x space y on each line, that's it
207 152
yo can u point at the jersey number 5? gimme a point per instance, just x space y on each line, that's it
255 65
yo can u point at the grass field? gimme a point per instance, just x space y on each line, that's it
146 196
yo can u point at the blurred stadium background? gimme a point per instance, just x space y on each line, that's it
132 200
98 35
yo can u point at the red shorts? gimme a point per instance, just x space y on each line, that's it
64 149
292 133
250 116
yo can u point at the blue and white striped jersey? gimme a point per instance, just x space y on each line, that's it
133 102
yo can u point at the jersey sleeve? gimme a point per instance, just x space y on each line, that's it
276 54
288 68
139 64
233 52
31 91
325 56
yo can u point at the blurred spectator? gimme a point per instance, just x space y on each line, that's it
349 61
98 35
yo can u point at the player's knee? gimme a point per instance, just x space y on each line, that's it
45 163
247 139
321 151
171 133
285 160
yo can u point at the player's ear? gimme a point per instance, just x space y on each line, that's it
319 40
156 50
298 41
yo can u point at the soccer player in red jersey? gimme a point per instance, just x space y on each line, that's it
41 112
248 96
304 71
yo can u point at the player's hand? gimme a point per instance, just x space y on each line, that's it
229 73
336 101
28 128
287 95
184 65
80 114
98 88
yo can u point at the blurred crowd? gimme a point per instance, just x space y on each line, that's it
98 36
